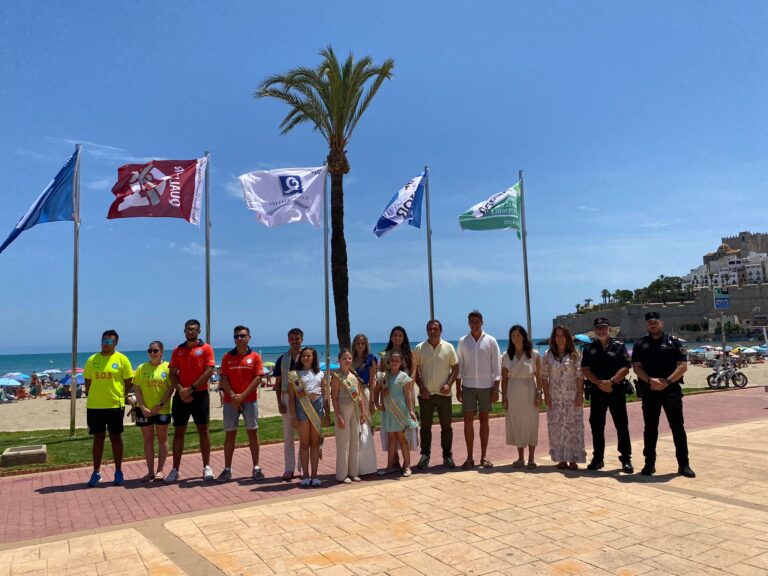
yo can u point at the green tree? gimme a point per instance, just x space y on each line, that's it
605 294
332 98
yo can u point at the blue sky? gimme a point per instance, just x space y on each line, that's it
642 130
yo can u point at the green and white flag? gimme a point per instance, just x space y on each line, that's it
499 212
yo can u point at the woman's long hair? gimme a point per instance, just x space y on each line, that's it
315 362
364 338
527 344
570 347
406 347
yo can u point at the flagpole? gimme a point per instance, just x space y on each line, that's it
75 275
429 246
327 292
207 248
525 253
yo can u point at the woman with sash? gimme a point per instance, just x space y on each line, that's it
365 365
395 400
307 385
349 408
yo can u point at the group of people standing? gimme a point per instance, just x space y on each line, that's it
162 393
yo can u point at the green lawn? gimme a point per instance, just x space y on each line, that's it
64 450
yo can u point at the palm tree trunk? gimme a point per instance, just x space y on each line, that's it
339 272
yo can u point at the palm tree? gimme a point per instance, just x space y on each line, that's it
587 302
605 294
332 98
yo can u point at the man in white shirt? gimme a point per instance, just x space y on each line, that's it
477 386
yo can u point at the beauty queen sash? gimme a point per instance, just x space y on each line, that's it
352 387
300 391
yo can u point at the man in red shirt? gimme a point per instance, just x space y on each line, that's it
191 367
241 370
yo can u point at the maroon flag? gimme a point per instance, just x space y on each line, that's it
160 189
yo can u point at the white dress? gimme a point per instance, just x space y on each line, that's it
522 416
366 460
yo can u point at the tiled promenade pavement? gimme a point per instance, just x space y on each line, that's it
496 521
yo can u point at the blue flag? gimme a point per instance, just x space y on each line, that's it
53 205
404 206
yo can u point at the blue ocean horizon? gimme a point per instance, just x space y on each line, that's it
29 363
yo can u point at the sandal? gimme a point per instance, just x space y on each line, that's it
468 464
518 463
531 465
573 466
562 465
159 477
485 463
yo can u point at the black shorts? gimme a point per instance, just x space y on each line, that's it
142 421
199 409
102 419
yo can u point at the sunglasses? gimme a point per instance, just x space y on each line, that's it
154 350
108 341
240 336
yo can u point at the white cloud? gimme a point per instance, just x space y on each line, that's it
587 208
106 153
656 224
32 154
102 184
233 188
198 250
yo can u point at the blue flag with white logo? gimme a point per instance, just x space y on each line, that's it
55 204
405 206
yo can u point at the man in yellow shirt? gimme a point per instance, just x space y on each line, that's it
108 376
437 369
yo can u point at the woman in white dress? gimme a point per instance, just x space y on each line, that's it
365 366
521 394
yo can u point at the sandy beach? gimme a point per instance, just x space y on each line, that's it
39 414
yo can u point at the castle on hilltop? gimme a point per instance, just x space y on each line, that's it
740 260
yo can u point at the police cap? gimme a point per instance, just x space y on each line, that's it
601 322
652 316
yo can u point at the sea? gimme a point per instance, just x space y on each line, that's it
28 363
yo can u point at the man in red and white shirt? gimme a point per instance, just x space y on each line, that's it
241 370
191 367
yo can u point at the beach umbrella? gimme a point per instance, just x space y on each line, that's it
698 351
19 376
9 383
52 371
67 380
79 371
583 338
334 365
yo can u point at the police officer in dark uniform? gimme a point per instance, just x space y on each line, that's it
659 360
605 363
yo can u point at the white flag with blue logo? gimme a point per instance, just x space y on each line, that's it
285 195
405 206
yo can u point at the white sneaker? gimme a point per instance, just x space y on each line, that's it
207 473
172 476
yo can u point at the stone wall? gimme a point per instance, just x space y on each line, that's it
630 318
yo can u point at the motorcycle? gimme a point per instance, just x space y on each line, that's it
723 377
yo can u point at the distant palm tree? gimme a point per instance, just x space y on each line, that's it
605 294
587 302
331 97
578 308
